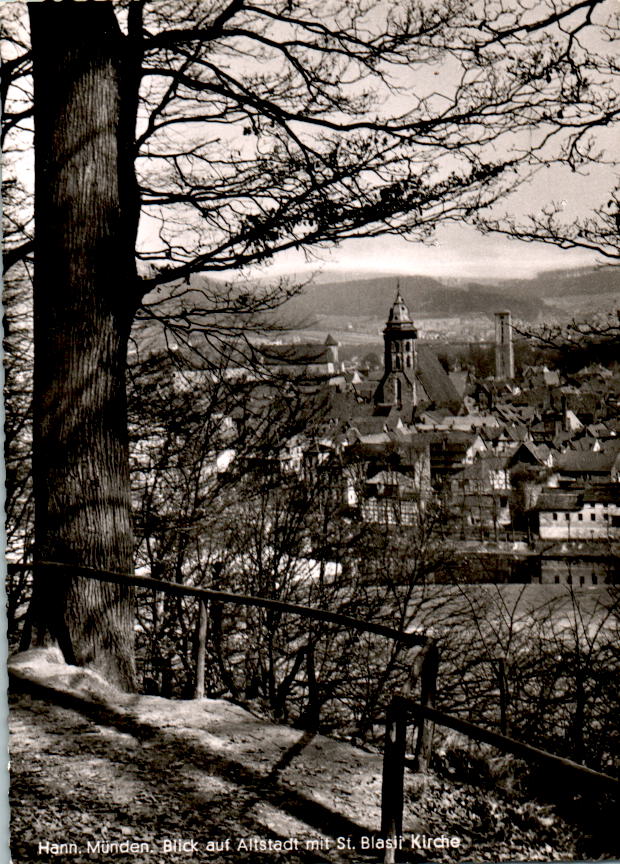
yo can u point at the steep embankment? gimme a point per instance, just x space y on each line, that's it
98 771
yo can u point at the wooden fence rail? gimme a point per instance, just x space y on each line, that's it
398 716
346 621
400 710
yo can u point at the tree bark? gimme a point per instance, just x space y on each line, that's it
85 296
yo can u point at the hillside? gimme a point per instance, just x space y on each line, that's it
370 297
559 283
357 295
94 767
367 295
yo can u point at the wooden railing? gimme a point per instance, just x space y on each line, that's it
401 709
399 715
204 595
407 638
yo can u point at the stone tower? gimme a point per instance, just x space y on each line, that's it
397 387
504 353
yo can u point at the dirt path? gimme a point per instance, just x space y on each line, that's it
89 765
94 771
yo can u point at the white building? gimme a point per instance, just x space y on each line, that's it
593 514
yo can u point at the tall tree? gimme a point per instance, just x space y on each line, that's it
85 297
242 129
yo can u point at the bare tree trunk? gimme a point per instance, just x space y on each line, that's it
85 294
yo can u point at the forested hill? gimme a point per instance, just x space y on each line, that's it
361 294
557 283
425 296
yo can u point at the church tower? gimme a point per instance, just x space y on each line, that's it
397 387
504 351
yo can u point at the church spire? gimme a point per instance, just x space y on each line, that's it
398 384
399 313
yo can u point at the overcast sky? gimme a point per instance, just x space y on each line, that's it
461 251
457 252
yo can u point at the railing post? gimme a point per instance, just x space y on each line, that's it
199 690
428 665
314 708
392 787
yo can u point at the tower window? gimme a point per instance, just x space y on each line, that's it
408 361
397 361
397 390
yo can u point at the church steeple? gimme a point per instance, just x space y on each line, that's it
398 337
399 312
398 386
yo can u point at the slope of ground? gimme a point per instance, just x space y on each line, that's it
98 774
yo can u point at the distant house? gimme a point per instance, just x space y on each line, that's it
523 413
587 444
439 421
579 564
384 466
489 394
486 509
593 514
506 438
304 360
360 426
556 423
365 388
607 432
594 370
288 458
449 451
579 466
540 376
392 498
291 455
353 378
486 474
530 454
480 493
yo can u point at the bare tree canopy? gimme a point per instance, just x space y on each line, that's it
261 127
